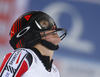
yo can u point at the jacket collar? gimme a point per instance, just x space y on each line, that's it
45 59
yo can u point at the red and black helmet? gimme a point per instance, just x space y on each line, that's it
25 31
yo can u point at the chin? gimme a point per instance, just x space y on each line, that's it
56 42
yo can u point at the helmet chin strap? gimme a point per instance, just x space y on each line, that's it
49 45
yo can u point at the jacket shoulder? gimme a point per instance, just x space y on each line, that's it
16 63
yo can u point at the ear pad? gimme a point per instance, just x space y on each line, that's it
31 38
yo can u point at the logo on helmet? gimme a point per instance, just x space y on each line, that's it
22 32
27 17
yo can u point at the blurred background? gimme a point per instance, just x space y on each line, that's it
79 52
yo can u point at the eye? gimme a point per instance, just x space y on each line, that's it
44 23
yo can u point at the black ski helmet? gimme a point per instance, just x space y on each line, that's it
25 31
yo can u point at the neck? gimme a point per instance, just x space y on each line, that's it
44 51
